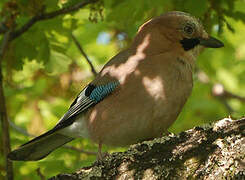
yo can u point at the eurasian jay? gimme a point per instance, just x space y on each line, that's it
137 95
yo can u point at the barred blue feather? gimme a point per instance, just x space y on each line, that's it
100 92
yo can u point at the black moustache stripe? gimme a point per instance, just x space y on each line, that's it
189 44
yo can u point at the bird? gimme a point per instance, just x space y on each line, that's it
139 92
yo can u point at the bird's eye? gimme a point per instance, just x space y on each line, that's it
188 29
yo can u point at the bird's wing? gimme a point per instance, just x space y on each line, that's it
89 96
33 150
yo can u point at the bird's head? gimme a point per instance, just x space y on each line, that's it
177 30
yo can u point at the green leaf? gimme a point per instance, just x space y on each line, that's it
51 5
43 50
196 7
58 63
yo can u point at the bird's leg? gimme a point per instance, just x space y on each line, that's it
99 154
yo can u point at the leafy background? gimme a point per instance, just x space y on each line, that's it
43 70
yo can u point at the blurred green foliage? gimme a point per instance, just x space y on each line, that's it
44 71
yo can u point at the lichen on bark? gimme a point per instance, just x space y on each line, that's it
215 151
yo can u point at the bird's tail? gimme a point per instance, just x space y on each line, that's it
39 147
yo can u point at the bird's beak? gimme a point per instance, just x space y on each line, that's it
211 42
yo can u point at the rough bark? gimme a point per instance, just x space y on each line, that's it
216 151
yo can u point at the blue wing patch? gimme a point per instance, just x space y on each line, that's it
90 96
100 92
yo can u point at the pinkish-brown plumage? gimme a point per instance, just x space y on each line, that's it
153 80
155 76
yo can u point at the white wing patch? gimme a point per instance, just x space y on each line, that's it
77 129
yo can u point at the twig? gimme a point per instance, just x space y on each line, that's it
230 95
24 132
3 28
19 129
3 112
79 150
40 174
84 54
219 91
50 15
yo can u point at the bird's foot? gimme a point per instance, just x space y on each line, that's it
167 133
100 155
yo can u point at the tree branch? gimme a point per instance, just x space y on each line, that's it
3 112
84 54
9 36
4 45
215 151
50 15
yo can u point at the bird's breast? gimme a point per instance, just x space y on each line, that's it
143 107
